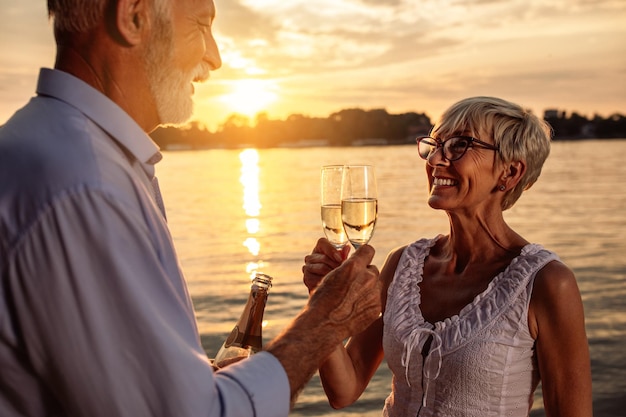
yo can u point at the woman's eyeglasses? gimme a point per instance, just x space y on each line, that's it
453 148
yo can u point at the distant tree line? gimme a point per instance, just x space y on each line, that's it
576 126
354 127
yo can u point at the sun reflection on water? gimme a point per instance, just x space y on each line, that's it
251 204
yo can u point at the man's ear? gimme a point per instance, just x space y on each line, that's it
133 20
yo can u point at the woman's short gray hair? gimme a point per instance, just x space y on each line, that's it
77 16
520 135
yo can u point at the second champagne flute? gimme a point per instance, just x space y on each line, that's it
332 176
359 203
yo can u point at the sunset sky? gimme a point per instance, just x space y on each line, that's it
317 57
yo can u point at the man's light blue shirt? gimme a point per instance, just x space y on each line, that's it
95 318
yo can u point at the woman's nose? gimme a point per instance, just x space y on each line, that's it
437 157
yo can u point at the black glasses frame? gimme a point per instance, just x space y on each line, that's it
433 144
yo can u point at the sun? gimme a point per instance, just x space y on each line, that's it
251 96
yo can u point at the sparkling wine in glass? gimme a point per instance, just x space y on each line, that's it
332 176
359 203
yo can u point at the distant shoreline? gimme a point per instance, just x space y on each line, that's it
324 144
355 127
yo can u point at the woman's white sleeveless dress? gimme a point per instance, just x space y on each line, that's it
481 362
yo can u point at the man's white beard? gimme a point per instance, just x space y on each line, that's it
173 96
170 87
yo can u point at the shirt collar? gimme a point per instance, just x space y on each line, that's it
102 111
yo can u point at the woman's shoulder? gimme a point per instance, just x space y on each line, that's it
555 292
402 257
393 257
409 251
389 268
553 279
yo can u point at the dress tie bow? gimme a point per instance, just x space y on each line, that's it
416 340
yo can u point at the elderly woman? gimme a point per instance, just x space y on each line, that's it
473 320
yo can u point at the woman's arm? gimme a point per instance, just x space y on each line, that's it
348 370
557 322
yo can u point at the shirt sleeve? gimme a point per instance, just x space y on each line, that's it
109 330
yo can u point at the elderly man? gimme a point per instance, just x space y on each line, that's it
95 318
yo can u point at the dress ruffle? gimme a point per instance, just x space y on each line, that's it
486 307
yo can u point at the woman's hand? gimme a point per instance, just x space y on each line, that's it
323 259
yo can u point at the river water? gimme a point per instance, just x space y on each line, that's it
235 211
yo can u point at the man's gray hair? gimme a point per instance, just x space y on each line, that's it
77 16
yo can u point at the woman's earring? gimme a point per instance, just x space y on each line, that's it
502 187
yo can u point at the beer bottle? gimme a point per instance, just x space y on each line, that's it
246 337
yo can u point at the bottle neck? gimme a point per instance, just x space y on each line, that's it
262 281
248 331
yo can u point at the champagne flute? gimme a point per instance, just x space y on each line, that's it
332 176
359 203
